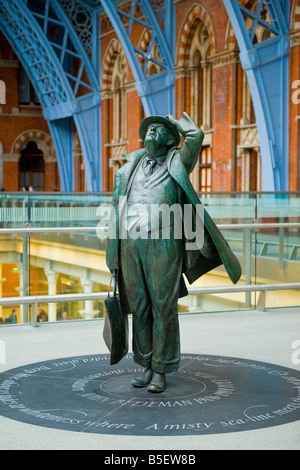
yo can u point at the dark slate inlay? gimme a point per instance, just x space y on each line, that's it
208 395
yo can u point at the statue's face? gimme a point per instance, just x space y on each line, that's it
158 134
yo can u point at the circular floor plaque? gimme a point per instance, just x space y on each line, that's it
208 395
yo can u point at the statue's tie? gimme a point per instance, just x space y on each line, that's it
149 166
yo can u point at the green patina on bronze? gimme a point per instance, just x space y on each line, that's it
149 270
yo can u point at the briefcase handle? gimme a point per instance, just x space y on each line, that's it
115 282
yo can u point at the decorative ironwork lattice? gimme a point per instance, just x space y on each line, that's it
81 20
31 47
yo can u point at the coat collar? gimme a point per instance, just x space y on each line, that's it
137 155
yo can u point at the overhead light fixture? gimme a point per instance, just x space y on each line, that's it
66 282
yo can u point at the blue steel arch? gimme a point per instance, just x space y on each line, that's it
267 68
156 91
49 62
69 96
66 97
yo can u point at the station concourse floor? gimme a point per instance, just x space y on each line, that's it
250 334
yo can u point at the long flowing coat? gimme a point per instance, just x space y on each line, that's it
215 250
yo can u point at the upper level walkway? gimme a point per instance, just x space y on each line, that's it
60 234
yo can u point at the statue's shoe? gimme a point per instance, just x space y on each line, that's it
158 383
144 379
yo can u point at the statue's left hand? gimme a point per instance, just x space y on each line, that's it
177 123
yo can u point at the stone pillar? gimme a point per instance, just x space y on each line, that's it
1 165
52 278
1 280
20 289
245 156
259 172
206 110
194 303
87 285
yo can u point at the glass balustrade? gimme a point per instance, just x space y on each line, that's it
61 254
50 209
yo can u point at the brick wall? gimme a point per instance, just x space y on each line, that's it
15 120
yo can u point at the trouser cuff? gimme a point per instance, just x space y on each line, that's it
160 368
164 369
142 362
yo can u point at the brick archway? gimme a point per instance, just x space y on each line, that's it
295 15
112 51
230 39
196 14
42 139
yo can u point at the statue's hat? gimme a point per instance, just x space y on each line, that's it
163 120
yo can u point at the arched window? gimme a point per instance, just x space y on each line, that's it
195 59
27 94
119 101
205 171
195 46
118 98
200 72
2 92
114 87
197 88
32 167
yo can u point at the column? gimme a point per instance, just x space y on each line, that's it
245 155
259 174
206 110
52 278
1 165
1 280
87 285
20 289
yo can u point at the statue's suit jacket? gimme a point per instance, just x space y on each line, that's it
215 250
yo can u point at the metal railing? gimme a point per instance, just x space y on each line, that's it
253 225
58 208
34 301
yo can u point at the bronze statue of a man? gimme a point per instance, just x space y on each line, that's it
149 265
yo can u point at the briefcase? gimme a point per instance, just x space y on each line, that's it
115 331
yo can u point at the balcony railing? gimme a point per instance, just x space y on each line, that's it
263 230
78 209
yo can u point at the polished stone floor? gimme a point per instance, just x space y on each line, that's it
237 387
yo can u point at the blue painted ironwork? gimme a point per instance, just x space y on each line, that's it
267 67
156 91
58 62
57 43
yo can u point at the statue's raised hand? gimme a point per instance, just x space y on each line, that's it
180 124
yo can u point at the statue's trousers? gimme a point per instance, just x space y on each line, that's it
151 272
